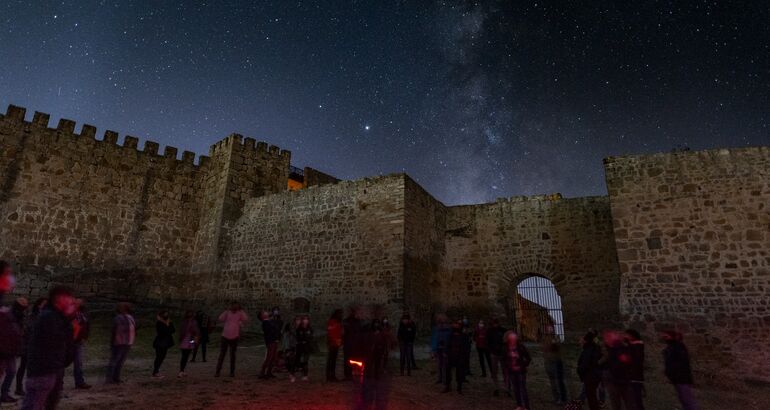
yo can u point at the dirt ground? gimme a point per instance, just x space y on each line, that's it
200 390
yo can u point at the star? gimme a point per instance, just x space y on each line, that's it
367 127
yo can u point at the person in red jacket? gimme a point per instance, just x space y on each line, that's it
480 338
333 342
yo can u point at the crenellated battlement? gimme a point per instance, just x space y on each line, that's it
249 147
15 117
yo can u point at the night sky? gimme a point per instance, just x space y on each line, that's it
474 100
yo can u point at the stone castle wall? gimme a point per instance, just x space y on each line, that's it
693 238
332 245
491 248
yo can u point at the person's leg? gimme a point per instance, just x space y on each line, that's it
8 378
460 376
331 363
494 365
194 352
111 365
77 365
589 390
637 395
20 375
183 360
550 371
347 370
560 381
38 388
273 356
480 352
223 345
413 362
122 356
204 347
448 377
614 393
233 349
402 358
686 398
160 355
55 395
523 389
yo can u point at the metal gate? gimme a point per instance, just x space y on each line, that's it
538 310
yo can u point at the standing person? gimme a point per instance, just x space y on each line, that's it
304 335
9 333
636 348
233 320
123 336
50 351
589 370
496 344
407 331
482 348
351 329
272 335
205 326
375 347
188 338
438 345
333 343
164 339
554 367
455 352
83 325
677 368
517 359
16 314
28 322
289 346
616 369
468 333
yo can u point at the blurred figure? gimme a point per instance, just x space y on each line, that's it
83 325
482 347
636 375
516 360
677 368
468 333
8 331
456 351
188 338
333 343
375 347
304 334
554 367
232 320
351 330
123 336
496 344
438 344
289 346
205 326
407 331
589 370
164 339
616 366
50 351
272 335
28 322
16 314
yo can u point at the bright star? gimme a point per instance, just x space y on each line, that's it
367 127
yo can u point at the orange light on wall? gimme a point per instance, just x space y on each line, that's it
295 185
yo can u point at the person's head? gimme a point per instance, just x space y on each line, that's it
61 299
511 338
465 321
163 315
275 311
20 306
7 280
337 315
123 308
441 319
376 324
189 314
235 306
385 322
633 335
305 321
588 338
612 338
405 318
457 324
481 323
495 322
671 336
79 305
39 305
297 321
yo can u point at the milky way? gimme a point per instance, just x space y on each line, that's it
474 100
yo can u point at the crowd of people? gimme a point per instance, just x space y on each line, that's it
45 338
